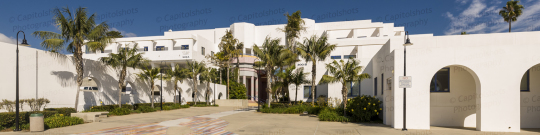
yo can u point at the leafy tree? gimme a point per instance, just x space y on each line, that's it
150 75
344 72
270 55
511 12
315 49
127 57
195 69
177 74
75 32
292 29
464 33
230 48
207 76
298 78
114 34
238 90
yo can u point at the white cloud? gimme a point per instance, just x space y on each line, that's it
482 16
4 38
126 34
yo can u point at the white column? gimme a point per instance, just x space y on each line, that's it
257 89
252 87
172 66
171 46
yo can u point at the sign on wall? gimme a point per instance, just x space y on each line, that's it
405 82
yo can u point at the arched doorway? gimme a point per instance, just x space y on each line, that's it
530 98
454 91
90 84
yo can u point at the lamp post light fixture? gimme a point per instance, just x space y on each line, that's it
17 82
407 43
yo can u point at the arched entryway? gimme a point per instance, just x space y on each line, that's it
454 91
90 84
530 98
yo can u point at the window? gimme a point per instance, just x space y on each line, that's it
349 92
212 53
184 47
90 88
307 91
336 57
525 81
382 84
375 88
441 81
156 93
349 56
146 48
160 48
202 50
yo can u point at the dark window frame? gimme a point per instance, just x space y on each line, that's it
349 56
202 50
162 48
184 47
435 76
382 84
528 73
145 48
335 57
376 84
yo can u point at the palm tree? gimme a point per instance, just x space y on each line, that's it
344 72
464 33
315 49
75 32
269 54
177 74
208 76
127 57
195 68
511 12
298 78
230 48
150 75
292 30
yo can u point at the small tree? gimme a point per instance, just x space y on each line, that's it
511 12
344 72
177 74
298 78
195 68
150 75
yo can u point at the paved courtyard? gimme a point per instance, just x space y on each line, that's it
228 121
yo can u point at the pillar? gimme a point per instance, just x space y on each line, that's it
252 87
257 89
245 84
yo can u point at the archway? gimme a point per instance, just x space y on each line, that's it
90 84
453 97
530 98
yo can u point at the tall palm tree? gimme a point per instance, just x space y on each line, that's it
230 48
344 72
127 57
75 32
207 76
177 74
511 12
315 49
269 54
292 29
195 69
298 78
150 75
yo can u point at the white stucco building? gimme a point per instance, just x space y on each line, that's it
485 81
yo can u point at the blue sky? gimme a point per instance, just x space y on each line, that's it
152 18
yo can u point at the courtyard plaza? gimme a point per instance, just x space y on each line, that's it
232 120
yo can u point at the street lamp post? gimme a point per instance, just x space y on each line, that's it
407 43
17 82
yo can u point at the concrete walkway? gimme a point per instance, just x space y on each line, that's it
228 121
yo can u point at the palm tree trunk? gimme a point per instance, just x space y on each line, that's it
120 85
344 94
269 85
195 90
152 93
79 67
228 81
207 91
296 95
313 75
510 26
176 91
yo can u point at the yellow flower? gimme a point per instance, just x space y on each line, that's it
364 108
349 99
379 101
380 108
377 113
61 114
352 110
375 110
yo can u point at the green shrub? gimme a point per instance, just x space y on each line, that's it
363 108
136 111
237 90
108 108
25 126
66 110
7 119
291 109
59 120
329 114
167 108
136 106
146 109
120 111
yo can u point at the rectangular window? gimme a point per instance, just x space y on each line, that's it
336 57
212 53
156 93
382 84
525 81
375 88
185 47
160 48
349 56
441 81
357 93
349 91
307 91
146 48
202 50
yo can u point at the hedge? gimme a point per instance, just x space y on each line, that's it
66 111
7 119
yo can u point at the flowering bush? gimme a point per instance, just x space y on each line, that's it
363 108
59 120
120 111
